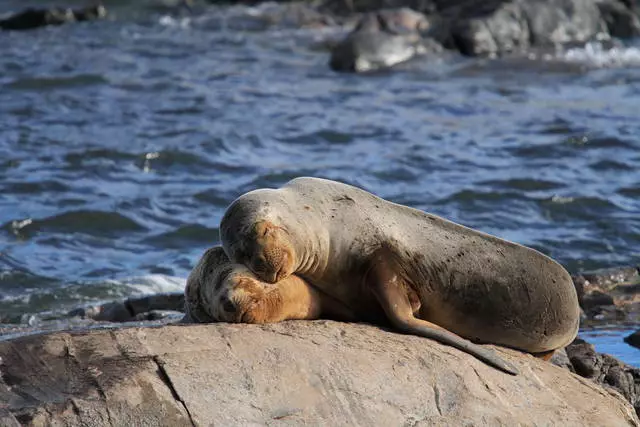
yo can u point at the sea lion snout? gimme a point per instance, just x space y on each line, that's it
272 257
238 299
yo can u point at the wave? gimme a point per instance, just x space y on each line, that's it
52 299
96 223
598 55
186 235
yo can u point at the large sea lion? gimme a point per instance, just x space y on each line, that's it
429 276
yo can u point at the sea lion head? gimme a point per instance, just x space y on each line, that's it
256 230
220 291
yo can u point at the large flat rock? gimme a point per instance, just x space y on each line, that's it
291 373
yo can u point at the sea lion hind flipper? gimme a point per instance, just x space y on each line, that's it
390 291
545 355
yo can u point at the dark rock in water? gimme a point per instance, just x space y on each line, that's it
609 294
595 299
35 18
633 339
176 316
608 278
605 370
620 18
140 308
383 39
503 27
349 7
233 374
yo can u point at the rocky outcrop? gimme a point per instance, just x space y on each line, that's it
609 294
149 307
507 27
290 373
605 370
34 18
476 28
383 39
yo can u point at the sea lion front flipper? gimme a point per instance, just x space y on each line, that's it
293 298
391 293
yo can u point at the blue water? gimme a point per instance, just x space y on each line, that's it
122 142
609 340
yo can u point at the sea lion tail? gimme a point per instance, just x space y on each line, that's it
416 326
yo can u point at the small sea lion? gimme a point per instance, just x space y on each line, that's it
429 276
220 291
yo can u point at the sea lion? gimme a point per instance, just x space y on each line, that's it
218 290
429 276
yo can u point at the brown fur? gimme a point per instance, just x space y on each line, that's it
218 290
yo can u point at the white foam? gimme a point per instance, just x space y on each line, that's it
596 54
152 284
169 21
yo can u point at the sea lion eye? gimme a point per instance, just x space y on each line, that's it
239 256
259 263
228 305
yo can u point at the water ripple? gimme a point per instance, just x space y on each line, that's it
95 223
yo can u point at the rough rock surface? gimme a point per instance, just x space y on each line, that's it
605 369
290 373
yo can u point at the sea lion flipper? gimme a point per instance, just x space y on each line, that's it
545 355
424 329
391 291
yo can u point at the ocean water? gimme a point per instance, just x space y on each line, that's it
122 142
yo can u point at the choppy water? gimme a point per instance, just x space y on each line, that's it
121 143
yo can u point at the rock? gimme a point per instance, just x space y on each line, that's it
605 370
596 298
621 20
475 28
34 18
561 359
505 30
609 294
168 315
383 39
149 307
503 27
608 278
633 339
350 7
292 373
